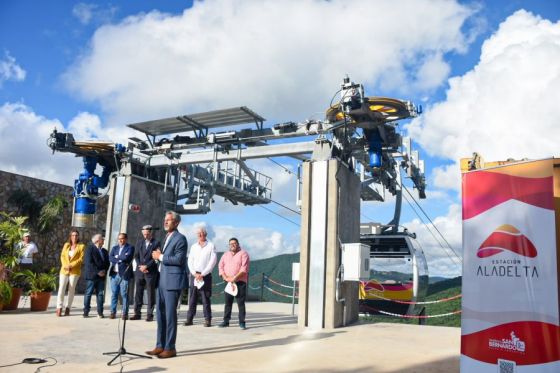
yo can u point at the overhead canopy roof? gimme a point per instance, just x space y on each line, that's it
199 122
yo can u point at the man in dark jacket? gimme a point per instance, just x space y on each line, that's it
121 256
172 262
96 264
146 274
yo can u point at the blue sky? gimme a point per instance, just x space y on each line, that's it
483 71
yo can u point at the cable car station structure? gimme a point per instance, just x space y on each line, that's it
184 162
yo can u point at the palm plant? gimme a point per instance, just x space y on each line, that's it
41 282
51 212
11 232
5 292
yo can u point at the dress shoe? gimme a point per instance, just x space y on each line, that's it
59 312
188 323
135 317
207 323
124 316
150 318
155 351
112 316
166 354
67 311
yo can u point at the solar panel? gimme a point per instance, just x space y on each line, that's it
199 122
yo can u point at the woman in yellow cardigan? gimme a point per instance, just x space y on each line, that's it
71 258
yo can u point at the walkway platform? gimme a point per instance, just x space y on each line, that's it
272 343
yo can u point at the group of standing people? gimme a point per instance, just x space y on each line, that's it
162 270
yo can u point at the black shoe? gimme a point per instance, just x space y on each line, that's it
100 315
86 315
136 317
188 323
224 324
207 323
150 318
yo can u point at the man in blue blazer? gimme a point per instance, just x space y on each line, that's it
172 279
96 264
146 274
121 256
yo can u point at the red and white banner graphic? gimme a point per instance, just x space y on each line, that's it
510 313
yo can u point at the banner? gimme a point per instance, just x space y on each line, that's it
510 313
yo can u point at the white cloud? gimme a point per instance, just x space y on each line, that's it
24 149
439 263
10 70
282 59
259 242
506 106
447 177
87 13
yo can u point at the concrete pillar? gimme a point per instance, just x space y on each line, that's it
330 216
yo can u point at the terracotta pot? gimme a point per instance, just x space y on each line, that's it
40 301
13 305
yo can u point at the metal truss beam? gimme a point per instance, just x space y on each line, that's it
185 158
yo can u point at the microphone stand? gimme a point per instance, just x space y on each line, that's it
122 350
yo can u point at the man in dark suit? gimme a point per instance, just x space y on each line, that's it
121 256
146 274
96 264
172 277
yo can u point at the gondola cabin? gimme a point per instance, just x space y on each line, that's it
398 272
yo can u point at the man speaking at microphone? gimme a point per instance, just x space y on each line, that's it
171 262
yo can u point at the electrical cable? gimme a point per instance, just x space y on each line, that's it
430 231
282 166
48 365
431 222
283 217
286 207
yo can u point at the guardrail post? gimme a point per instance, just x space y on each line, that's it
262 287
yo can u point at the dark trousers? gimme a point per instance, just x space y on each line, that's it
240 297
148 282
205 293
167 301
97 285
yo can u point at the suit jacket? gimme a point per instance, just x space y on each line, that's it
172 270
94 262
143 256
124 260
76 261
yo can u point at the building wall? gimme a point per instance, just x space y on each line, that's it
49 244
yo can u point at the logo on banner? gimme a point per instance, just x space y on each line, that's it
514 344
506 238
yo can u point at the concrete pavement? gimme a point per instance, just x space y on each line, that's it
272 343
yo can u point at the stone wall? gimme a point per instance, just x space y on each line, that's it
49 244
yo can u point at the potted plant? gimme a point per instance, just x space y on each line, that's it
5 293
41 286
11 232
